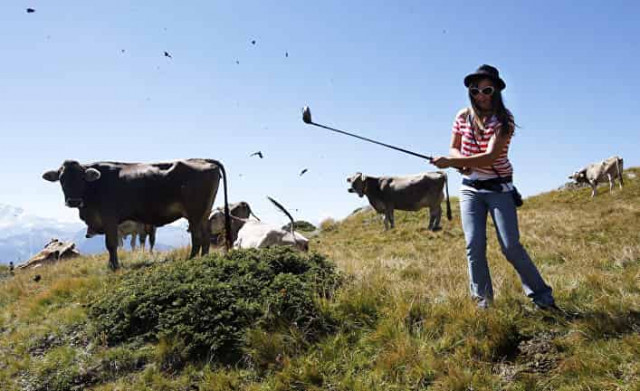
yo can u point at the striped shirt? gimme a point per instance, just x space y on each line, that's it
469 147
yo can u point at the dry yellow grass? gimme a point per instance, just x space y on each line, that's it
404 317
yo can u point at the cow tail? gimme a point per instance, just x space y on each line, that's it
227 214
286 212
446 191
619 166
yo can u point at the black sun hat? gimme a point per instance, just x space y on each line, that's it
486 71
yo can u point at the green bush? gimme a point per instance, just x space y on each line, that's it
301 226
206 305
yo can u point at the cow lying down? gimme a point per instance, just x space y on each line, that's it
257 234
241 210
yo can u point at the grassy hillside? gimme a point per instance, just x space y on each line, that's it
400 320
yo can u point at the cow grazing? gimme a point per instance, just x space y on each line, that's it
410 193
607 169
134 229
109 193
139 230
256 234
241 210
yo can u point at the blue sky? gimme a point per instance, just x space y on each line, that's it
387 70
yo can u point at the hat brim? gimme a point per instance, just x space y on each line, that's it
500 84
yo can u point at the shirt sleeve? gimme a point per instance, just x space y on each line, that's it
457 124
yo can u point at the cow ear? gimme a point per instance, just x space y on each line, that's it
51 176
91 174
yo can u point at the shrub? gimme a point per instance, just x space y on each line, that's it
328 224
300 225
205 306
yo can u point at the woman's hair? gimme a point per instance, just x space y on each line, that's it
502 113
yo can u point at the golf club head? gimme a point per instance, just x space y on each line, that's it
306 115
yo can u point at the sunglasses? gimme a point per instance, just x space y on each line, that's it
488 91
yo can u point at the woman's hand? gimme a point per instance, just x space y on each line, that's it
441 161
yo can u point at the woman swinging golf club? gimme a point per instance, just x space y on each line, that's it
480 146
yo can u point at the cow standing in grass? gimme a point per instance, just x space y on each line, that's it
109 193
410 193
608 169
134 229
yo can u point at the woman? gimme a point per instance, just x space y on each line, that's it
479 149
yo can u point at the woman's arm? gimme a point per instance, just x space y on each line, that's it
454 151
495 147
456 144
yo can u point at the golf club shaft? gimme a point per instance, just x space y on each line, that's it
373 141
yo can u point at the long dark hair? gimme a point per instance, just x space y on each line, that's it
498 108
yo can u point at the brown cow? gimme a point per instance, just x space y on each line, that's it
410 193
135 230
108 193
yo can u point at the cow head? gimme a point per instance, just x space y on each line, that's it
73 177
579 176
357 182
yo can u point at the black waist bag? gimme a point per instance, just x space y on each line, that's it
517 197
496 186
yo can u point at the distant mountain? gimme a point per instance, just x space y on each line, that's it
23 235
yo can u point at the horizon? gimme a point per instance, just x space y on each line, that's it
91 82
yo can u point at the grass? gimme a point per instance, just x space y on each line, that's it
403 318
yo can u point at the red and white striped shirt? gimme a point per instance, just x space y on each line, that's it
468 147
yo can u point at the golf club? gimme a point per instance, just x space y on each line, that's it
306 118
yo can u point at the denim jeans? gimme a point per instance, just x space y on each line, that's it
473 209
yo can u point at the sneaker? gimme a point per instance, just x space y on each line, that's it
482 303
547 306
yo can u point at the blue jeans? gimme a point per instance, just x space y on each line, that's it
473 210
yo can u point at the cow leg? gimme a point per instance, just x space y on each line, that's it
610 183
111 240
152 239
142 239
196 237
391 218
435 214
214 239
594 187
132 242
385 219
206 238
202 227
120 240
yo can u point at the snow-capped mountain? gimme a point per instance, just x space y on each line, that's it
22 235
